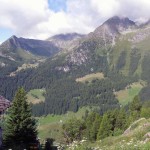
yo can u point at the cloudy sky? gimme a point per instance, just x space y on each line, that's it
41 19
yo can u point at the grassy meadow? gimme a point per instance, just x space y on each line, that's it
36 96
50 126
125 96
90 77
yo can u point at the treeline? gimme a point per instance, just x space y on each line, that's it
7 66
145 92
68 95
63 93
146 68
96 127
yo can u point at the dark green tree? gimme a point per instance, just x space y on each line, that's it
73 130
121 119
135 104
20 126
121 122
95 127
105 127
145 110
89 125
135 109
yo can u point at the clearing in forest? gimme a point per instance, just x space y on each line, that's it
90 77
125 96
36 96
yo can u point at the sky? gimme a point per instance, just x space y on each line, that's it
41 19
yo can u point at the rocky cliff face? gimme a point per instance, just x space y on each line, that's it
118 41
102 39
66 41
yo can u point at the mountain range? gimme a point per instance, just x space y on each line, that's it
119 48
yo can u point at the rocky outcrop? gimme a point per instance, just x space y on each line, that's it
66 41
4 104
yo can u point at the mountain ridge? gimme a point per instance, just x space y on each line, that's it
122 57
14 45
66 41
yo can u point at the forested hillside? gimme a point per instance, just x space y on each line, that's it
119 49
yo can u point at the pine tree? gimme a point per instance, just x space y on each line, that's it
135 104
73 129
145 110
89 124
120 123
121 120
105 128
95 127
135 109
20 126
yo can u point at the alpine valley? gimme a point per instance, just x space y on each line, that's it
76 70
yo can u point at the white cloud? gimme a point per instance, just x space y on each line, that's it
34 19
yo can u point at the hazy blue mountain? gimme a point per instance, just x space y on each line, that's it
20 49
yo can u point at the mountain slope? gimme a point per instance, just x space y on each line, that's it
96 47
118 48
118 42
66 41
15 52
21 49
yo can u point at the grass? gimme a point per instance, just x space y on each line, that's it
91 77
125 96
50 126
144 43
23 67
121 45
124 44
27 56
130 141
35 96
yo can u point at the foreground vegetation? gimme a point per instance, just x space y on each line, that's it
19 127
112 131
50 126
134 138
86 129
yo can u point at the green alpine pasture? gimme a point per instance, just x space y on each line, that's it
125 96
36 96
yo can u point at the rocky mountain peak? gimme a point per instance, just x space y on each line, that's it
20 49
123 21
119 24
115 25
66 41
13 37
106 34
66 37
11 43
